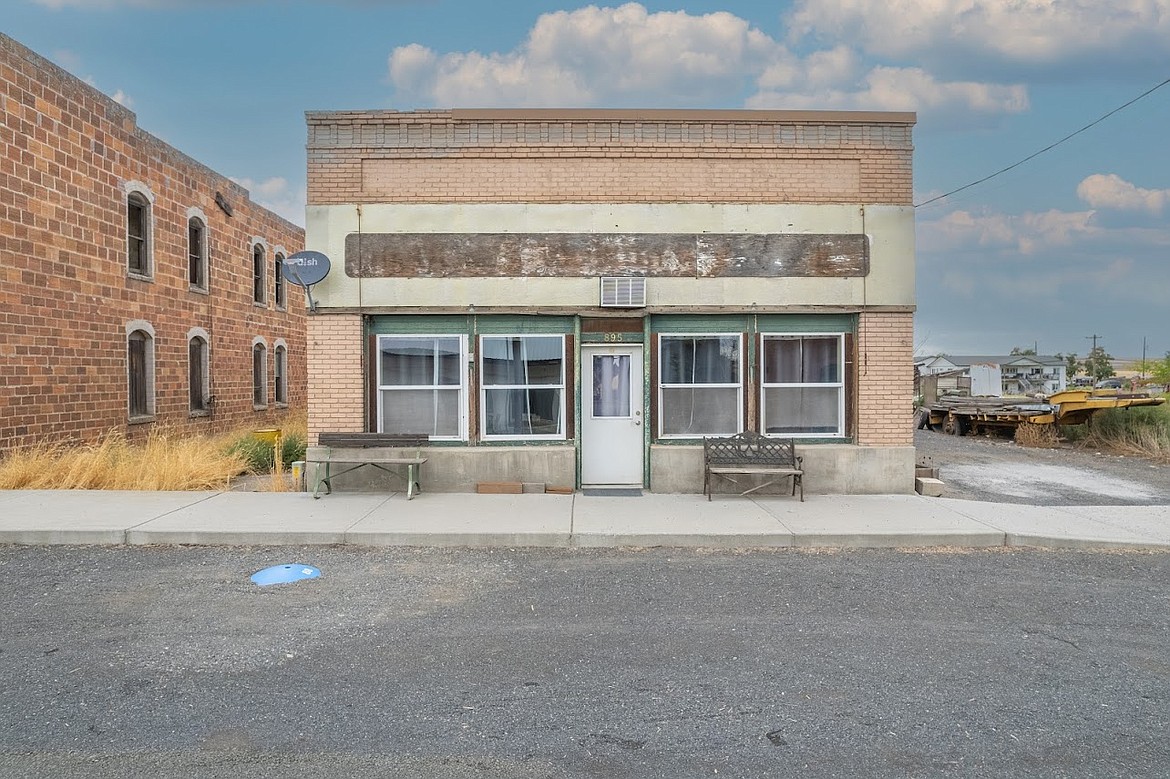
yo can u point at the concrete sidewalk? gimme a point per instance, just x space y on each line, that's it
462 519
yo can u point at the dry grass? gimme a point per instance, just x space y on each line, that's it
163 462
113 463
1149 443
1037 436
1137 432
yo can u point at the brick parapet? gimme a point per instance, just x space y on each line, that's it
474 153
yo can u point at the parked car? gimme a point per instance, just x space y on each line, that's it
1109 384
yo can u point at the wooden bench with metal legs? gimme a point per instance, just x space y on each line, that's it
349 461
749 453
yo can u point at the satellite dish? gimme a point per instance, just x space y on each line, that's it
306 269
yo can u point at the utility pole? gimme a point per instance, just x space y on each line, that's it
1094 338
1143 371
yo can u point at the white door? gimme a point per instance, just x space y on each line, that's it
612 443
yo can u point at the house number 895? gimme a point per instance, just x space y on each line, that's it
613 337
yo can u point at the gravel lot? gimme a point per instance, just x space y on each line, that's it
995 469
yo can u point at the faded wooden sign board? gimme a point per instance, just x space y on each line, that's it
698 255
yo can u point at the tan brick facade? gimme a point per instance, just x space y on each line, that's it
336 394
470 222
69 156
885 386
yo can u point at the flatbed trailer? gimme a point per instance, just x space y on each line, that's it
959 415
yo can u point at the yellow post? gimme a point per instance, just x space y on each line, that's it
272 435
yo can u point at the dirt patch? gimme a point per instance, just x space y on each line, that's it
993 469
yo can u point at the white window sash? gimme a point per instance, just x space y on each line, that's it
484 388
837 385
460 388
663 338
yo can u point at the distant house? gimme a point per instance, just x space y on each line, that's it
1018 374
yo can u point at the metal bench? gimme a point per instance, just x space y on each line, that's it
350 461
750 453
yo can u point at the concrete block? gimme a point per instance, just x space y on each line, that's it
931 488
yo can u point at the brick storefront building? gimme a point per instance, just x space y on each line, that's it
139 289
579 296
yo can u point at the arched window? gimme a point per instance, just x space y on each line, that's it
140 370
280 373
259 374
197 253
138 231
278 277
198 371
258 264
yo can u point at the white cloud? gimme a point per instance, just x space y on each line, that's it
107 5
593 55
626 55
1011 235
122 99
277 195
1113 192
987 281
1019 32
884 88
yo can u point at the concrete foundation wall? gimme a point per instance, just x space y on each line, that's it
459 469
829 469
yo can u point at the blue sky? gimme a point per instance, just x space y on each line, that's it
1072 244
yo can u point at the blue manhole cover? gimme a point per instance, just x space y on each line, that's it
284 574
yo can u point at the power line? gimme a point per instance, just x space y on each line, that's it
1046 148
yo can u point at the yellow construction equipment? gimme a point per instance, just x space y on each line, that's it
960 415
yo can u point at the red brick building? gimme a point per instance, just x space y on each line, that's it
138 288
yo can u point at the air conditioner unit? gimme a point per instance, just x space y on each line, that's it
623 291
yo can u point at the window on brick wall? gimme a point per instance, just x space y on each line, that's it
258 265
138 248
197 254
140 373
198 374
280 374
803 385
278 277
259 375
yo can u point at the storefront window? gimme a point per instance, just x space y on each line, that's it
523 379
803 385
421 387
700 385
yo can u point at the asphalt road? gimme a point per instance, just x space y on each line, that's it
168 662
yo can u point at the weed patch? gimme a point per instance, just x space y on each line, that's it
1138 432
164 461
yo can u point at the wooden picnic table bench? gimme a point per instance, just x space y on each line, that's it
749 453
350 461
